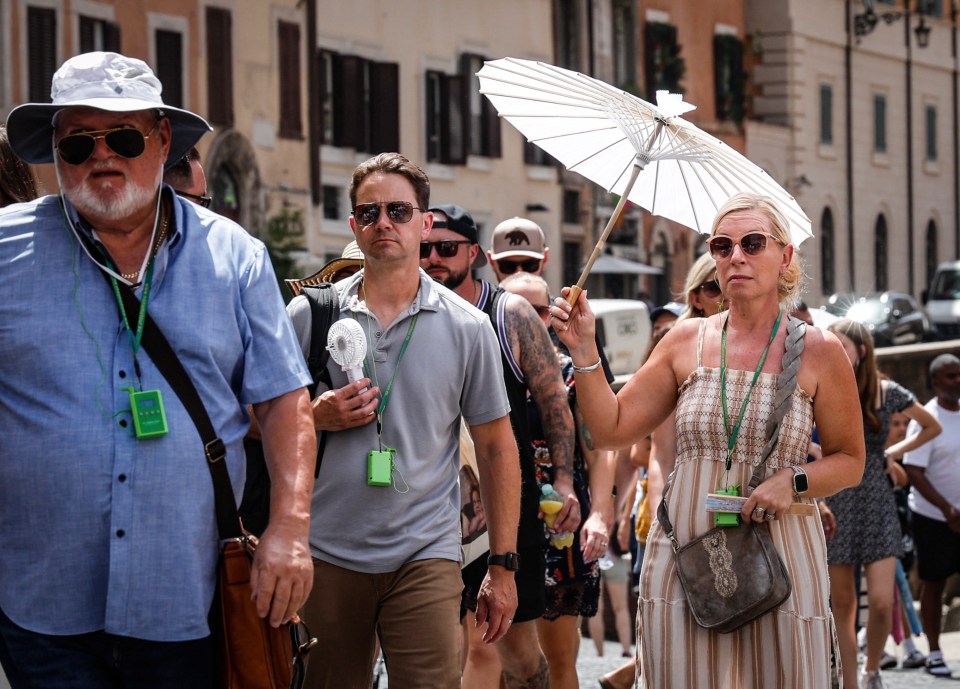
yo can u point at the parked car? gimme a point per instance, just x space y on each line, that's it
942 301
623 329
893 318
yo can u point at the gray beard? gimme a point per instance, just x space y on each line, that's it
133 197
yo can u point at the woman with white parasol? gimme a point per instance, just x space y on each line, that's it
698 363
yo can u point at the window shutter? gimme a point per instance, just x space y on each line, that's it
453 120
88 34
350 108
169 66
491 129
111 37
384 107
42 49
219 66
291 122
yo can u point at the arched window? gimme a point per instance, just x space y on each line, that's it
226 193
880 254
827 253
931 252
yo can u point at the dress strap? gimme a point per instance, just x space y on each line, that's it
703 328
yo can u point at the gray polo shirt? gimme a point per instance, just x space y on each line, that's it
451 366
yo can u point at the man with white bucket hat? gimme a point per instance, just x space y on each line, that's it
109 537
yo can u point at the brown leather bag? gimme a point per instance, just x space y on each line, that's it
251 653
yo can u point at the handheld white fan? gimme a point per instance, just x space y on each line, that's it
348 346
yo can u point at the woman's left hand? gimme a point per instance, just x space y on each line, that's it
771 499
594 539
897 473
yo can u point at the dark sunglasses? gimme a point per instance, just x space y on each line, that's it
399 212
711 288
511 267
542 310
204 201
128 142
752 244
446 248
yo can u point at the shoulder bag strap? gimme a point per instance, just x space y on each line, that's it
783 400
166 361
324 311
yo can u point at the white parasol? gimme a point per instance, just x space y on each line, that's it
616 140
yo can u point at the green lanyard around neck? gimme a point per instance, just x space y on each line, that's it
733 434
382 408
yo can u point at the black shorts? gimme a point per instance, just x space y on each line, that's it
531 584
938 548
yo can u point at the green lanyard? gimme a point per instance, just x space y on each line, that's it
733 434
381 409
135 336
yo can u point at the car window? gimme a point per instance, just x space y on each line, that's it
946 285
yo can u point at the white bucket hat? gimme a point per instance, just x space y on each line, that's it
106 81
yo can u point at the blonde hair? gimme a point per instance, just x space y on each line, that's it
700 272
789 287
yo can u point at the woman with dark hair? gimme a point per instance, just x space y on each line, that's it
700 362
867 525
17 182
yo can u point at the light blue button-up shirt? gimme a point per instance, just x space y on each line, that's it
99 530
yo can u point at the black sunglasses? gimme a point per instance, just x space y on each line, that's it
204 201
128 142
711 288
446 248
541 309
752 244
399 212
510 267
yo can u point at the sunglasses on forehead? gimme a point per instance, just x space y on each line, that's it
752 244
399 212
510 267
446 248
128 142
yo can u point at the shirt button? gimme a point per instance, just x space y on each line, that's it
123 374
121 478
121 533
378 333
123 423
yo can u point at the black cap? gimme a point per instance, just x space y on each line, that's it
460 221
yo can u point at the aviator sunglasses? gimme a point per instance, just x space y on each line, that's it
752 244
128 142
511 267
398 212
446 248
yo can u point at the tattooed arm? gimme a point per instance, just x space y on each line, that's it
534 353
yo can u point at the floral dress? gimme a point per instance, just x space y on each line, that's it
573 586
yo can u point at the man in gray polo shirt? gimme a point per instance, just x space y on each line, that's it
387 551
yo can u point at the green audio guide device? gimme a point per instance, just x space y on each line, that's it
149 418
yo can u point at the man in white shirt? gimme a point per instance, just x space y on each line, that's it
934 472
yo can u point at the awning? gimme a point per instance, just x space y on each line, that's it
615 265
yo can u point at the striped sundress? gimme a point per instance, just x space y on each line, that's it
788 648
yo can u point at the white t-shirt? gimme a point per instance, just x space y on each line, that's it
941 459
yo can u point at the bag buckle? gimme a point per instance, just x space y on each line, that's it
215 450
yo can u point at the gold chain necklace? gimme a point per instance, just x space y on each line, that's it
156 245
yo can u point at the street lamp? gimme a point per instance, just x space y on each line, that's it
866 22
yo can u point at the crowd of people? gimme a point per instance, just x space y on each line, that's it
495 417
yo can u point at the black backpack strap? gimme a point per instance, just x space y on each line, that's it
324 312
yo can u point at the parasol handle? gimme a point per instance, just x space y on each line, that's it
598 249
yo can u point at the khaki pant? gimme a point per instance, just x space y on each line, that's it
415 610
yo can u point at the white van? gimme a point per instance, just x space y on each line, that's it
942 301
623 329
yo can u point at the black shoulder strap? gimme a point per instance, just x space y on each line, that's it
324 311
166 361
